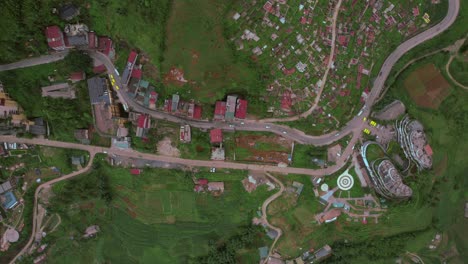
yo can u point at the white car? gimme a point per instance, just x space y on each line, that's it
267 127
284 132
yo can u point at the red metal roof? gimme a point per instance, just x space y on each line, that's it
132 57
241 109
77 76
135 171
92 40
289 72
202 181
286 101
198 188
105 45
54 37
99 69
428 150
303 20
220 110
136 73
216 135
143 121
197 112
168 105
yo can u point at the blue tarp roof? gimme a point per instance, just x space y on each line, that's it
10 200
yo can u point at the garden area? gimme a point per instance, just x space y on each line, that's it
155 215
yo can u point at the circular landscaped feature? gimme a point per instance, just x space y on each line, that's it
345 182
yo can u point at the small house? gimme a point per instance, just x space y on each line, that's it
216 186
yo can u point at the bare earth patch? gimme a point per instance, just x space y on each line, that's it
165 148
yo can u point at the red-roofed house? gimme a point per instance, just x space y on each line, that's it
220 110
144 123
77 76
202 181
268 6
289 71
343 40
136 73
135 171
198 188
216 136
286 101
303 20
197 112
132 57
168 105
92 38
428 150
416 11
99 69
241 108
105 46
55 38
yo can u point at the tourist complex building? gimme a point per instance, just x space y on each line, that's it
413 141
385 177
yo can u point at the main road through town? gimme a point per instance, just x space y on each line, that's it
353 126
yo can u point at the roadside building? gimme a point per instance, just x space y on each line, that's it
82 135
197 112
323 253
98 91
241 109
106 47
77 160
76 35
8 107
175 103
92 40
132 57
38 127
55 38
185 134
143 125
220 110
216 136
121 143
230 107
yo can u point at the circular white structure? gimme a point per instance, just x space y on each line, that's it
345 182
324 187
11 235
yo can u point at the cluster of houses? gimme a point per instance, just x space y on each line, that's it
13 120
298 40
233 107
203 185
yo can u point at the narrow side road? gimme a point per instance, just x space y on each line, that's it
264 213
36 195
44 59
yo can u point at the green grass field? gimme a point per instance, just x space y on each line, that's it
202 52
155 216
459 70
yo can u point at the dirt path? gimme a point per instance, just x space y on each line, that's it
264 213
325 75
447 69
36 203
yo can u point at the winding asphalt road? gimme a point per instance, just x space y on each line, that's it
353 126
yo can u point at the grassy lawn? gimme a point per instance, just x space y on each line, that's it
203 54
24 86
459 70
304 154
132 24
153 216
374 152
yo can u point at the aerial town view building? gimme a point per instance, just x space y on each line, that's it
244 131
